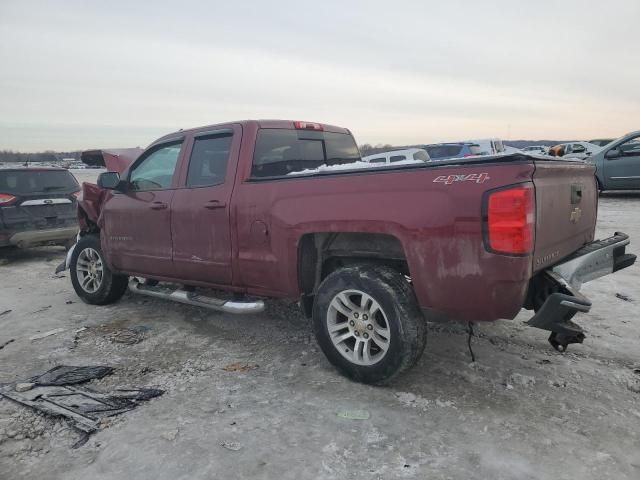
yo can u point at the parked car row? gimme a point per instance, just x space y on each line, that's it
579 150
395 156
618 163
441 151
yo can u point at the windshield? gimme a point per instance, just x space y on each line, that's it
24 182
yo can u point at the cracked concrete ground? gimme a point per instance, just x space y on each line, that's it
522 411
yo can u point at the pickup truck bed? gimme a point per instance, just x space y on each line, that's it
273 208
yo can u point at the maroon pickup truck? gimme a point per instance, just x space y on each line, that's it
289 209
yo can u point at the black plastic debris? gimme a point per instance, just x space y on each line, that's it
64 375
4 344
624 297
5 312
42 309
55 394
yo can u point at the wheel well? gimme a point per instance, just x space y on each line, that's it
319 254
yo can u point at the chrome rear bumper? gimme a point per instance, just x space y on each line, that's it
592 261
596 260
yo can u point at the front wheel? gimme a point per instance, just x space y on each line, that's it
367 321
91 278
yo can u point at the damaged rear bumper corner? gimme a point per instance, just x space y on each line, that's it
592 261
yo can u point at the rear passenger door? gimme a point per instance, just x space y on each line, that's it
200 214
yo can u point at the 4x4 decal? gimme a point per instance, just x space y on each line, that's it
472 177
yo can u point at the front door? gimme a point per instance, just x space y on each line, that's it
137 223
623 171
200 212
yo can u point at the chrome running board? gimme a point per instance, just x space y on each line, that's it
196 299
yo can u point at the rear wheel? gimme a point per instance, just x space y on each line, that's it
367 321
91 278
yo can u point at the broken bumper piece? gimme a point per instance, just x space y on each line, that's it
56 393
592 261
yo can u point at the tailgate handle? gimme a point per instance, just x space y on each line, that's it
159 206
576 194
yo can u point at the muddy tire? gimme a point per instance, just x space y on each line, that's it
92 280
367 321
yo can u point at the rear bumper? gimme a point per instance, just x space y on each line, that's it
592 261
596 260
53 236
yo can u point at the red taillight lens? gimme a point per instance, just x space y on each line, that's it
307 126
6 199
511 220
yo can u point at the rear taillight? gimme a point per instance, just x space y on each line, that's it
6 199
307 126
510 220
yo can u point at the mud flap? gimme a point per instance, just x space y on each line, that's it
67 260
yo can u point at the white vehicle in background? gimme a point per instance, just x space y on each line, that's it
541 149
410 155
490 146
580 150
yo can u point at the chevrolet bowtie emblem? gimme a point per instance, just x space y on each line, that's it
576 213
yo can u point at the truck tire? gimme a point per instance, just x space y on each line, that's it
92 280
367 322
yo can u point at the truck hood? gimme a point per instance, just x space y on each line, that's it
113 159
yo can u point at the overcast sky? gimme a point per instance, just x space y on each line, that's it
89 74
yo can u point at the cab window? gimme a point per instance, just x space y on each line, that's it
208 162
155 171
631 148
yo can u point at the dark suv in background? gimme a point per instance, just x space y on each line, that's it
38 206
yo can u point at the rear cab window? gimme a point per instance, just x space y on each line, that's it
282 152
209 159
397 158
26 182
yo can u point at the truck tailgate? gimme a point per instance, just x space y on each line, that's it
566 209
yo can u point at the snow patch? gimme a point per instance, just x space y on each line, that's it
353 166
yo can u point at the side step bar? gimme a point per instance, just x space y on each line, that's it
197 300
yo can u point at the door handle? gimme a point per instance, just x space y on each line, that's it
159 206
213 204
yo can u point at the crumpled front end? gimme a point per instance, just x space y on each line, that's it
114 160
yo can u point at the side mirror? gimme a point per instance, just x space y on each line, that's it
613 153
109 180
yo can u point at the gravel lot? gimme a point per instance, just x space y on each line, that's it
521 411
